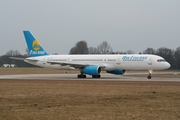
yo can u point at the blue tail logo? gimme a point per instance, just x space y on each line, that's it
34 47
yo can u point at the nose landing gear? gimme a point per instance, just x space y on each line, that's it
150 73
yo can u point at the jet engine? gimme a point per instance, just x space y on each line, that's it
92 70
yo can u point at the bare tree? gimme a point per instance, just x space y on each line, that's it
27 52
149 51
10 53
73 50
164 52
79 48
130 52
93 50
167 54
13 53
105 48
117 52
177 58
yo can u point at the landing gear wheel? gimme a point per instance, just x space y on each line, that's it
96 76
81 76
149 77
150 73
84 76
78 76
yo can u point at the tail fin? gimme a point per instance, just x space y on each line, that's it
34 47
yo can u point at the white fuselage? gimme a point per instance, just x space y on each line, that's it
106 62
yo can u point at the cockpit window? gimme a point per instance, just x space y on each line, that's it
161 60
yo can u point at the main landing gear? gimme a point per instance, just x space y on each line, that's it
150 73
96 76
82 75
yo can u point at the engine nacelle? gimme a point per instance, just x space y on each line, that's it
92 70
117 72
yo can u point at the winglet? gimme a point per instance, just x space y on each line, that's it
34 47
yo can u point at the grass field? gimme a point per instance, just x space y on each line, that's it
87 100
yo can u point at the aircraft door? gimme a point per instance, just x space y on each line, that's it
49 59
44 60
118 61
149 61
69 59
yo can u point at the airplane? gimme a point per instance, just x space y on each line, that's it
92 65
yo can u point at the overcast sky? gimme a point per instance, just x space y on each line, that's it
60 24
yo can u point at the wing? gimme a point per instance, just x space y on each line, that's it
75 65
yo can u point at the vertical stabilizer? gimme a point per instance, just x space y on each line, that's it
34 47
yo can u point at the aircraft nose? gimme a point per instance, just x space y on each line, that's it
168 65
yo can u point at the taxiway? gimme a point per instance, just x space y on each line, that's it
105 77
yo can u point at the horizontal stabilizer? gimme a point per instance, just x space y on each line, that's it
17 58
24 59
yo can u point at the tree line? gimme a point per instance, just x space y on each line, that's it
4 59
81 47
